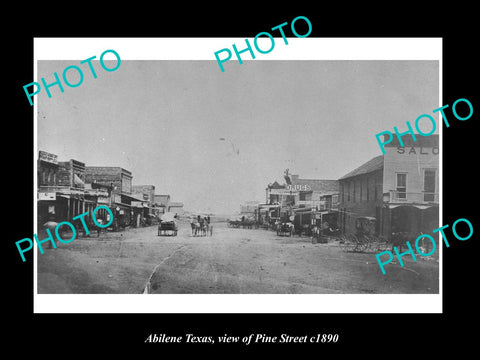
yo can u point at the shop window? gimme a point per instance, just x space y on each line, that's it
368 190
429 185
401 186
361 191
334 199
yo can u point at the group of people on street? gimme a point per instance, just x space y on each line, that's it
201 225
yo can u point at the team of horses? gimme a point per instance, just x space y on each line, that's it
244 223
201 227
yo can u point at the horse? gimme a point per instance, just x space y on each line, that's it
399 239
196 227
193 224
208 229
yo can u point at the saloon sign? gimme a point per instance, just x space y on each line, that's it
420 151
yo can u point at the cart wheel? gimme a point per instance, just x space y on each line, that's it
344 246
343 243
361 247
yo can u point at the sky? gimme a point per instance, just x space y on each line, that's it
214 140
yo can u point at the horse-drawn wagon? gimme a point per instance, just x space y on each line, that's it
284 229
168 225
364 238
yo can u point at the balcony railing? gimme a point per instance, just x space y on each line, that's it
413 197
320 205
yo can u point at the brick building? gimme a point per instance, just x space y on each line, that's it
147 193
120 180
399 189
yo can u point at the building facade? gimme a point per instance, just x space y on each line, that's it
161 203
411 185
309 202
71 189
120 181
145 206
47 182
399 189
315 201
62 191
361 194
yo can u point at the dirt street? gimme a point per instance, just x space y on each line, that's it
231 261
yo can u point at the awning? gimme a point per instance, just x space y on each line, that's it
266 207
77 180
120 205
132 198
418 206
303 210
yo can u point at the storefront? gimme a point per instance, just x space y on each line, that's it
411 219
46 207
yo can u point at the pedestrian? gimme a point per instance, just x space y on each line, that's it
51 225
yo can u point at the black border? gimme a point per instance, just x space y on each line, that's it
360 333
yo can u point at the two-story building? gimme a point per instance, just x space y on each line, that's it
62 191
315 201
411 185
71 188
120 180
308 202
279 202
47 181
399 189
145 206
